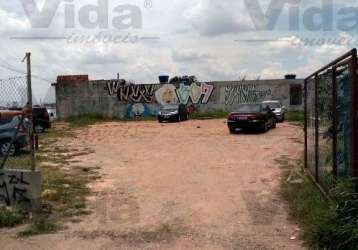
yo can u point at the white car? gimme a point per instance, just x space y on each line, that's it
277 108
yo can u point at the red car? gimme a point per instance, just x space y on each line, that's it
251 116
41 119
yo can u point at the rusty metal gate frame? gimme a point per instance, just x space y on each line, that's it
350 60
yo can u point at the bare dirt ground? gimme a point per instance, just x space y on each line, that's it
179 186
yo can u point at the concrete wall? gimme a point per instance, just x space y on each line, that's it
20 187
113 99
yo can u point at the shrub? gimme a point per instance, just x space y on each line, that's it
11 216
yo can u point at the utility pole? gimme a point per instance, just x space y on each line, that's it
29 98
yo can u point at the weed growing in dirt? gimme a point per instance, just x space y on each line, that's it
11 216
66 192
326 224
65 186
40 225
64 189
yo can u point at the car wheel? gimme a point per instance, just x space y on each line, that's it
4 149
283 118
160 120
264 127
39 128
274 124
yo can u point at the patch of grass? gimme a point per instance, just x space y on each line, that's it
217 114
11 216
40 225
19 161
326 224
86 119
66 192
295 116
90 119
64 185
340 229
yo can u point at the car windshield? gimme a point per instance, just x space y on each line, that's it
273 105
249 108
170 107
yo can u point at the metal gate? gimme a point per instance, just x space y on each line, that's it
331 121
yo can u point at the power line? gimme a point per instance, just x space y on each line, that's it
13 69
10 67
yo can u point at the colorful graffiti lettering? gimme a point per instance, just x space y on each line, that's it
245 93
132 93
195 92
166 94
113 86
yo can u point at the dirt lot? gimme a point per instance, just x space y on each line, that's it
179 186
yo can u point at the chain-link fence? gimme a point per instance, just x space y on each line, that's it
331 121
15 142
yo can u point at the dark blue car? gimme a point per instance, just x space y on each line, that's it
7 131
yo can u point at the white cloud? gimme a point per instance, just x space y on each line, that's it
196 38
190 56
213 18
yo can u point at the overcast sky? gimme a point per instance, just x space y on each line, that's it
212 39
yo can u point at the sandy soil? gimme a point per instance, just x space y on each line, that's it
180 186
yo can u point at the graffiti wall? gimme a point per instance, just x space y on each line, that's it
115 98
246 93
194 93
139 96
132 93
20 188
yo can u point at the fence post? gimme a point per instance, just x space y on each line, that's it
29 97
305 128
334 121
316 129
353 73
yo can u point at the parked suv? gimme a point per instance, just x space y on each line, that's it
277 108
173 112
7 131
41 119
